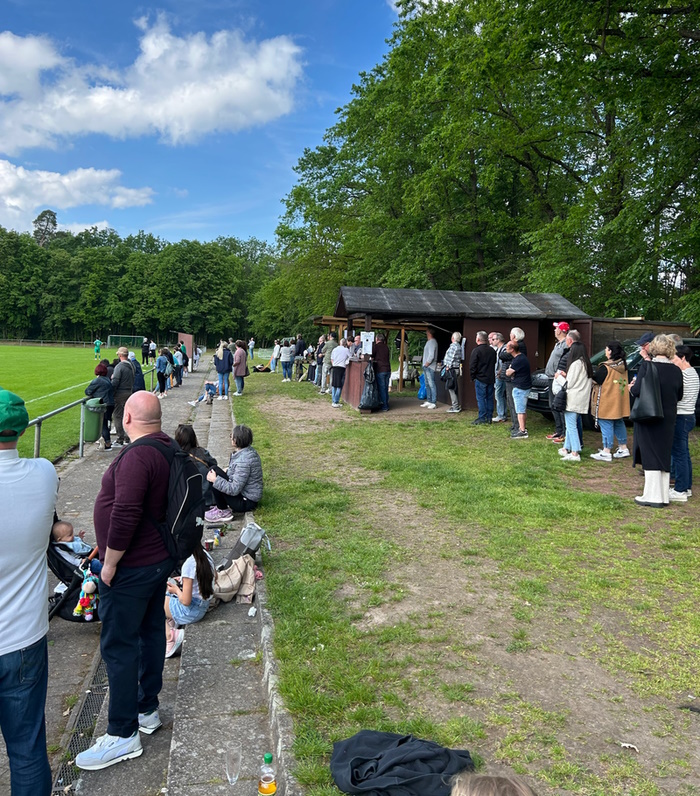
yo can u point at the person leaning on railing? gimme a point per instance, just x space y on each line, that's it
101 387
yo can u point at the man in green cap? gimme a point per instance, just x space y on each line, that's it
28 489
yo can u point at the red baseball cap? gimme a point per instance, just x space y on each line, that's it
563 326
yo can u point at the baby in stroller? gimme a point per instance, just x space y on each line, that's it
67 558
67 546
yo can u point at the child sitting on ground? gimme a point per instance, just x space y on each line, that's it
469 784
188 602
210 390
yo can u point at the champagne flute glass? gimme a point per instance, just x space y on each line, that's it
233 763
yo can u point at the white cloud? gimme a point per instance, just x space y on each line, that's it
77 227
24 191
178 88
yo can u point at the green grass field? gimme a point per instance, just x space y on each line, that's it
48 378
435 578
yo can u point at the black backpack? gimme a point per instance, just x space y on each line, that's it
184 518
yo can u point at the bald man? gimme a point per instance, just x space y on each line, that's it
136 566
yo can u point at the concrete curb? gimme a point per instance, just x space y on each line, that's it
281 723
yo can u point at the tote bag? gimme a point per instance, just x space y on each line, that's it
647 407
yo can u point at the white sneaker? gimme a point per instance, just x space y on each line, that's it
225 397
425 405
219 397
108 750
431 406
192 403
149 722
336 406
677 497
562 451
689 493
237 393
571 457
602 456
621 453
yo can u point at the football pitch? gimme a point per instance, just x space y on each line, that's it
48 378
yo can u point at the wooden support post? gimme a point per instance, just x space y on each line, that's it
401 354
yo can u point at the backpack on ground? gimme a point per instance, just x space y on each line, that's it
184 519
248 544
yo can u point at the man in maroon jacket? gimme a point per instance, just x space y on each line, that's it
136 565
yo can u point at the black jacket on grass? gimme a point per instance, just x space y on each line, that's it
385 764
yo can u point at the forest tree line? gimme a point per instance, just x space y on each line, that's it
547 146
60 286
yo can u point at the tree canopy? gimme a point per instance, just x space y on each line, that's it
546 145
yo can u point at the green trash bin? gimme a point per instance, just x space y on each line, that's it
92 425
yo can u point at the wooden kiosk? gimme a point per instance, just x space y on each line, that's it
447 311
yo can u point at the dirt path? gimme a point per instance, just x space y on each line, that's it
537 681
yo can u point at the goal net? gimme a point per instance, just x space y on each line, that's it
130 341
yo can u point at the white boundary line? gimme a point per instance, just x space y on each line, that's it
58 392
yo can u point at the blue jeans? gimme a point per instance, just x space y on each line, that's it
500 396
484 400
273 365
611 429
335 394
430 388
223 383
572 441
383 387
681 454
240 384
133 642
23 682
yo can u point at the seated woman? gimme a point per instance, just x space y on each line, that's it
242 490
187 440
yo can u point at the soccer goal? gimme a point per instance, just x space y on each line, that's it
130 341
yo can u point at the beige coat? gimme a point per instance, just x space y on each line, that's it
578 388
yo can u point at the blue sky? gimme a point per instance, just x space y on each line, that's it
184 119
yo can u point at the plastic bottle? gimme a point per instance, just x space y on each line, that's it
267 782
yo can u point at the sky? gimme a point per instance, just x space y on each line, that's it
183 119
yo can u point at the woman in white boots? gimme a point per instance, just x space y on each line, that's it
653 439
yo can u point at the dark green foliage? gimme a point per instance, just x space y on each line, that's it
548 146
74 287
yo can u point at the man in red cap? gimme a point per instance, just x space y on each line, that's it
561 329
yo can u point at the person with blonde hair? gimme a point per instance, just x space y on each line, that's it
653 438
470 784
452 362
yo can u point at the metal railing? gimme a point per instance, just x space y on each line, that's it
39 421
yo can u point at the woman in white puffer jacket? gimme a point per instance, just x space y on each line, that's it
579 379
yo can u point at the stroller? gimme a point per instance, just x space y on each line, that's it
63 602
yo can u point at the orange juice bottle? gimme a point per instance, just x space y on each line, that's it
267 782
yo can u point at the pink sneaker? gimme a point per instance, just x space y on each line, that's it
175 642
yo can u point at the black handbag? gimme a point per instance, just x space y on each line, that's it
559 400
648 407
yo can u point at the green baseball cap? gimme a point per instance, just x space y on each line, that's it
13 416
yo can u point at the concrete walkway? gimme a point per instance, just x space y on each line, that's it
221 691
